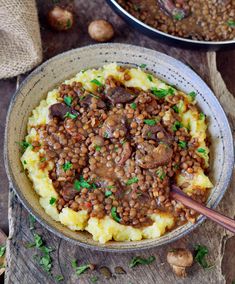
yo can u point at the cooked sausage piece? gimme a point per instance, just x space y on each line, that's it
148 156
114 124
59 110
120 95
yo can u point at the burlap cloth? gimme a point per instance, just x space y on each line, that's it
20 42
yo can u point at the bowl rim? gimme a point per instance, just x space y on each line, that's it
13 184
161 33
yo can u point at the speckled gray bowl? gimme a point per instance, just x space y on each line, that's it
66 65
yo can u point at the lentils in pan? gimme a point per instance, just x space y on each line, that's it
211 20
114 154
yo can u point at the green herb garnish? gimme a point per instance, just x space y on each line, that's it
162 93
200 253
176 126
202 116
201 150
178 15
59 278
42 159
68 23
182 144
24 145
97 148
70 115
123 142
133 105
94 279
150 77
67 166
143 65
149 134
32 221
68 100
114 215
108 193
106 135
79 269
140 260
161 174
132 180
150 122
52 200
2 250
231 23
82 183
175 108
25 163
96 82
192 95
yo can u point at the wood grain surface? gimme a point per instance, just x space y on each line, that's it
21 266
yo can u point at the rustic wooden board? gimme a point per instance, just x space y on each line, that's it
22 268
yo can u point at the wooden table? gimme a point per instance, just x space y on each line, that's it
22 268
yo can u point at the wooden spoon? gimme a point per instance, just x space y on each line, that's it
222 220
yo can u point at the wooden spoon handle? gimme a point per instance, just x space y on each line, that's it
224 221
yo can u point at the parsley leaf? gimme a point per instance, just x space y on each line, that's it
52 200
143 65
68 24
114 215
182 144
140 260
2 250
162 93
82 183
176 126
79 269
59 278
178 15
175 108
25 163
150 77
67 166
97 148
32 221
68 100
108 193
132 180
200 253
202 116
231 23
192 95
94 279
201 150
150 121
96 82
24 145
133 105
161 174
70 115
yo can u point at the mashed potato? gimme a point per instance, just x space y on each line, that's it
107 229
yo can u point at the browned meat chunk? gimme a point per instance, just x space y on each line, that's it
148 156
85 102
113 124
68 192
120 95
126 153
59 110
157 133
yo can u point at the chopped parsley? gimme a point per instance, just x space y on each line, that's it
133 105
106 135
123 142
70 115
68 24
43 159
162 93
67 166
192 95
149 134
59 278
177 125
97 82
24 145
231 23
150 77
80 269
114 215
175 108
176 166
182 144
132 180
202 116
52 200
25 163
68 100
94 279
32 222
150 122
108 193
200 252
136 260
161 174
178 15
143 65
2 250
82 183
201 150
97 148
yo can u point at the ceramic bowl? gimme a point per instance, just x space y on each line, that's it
66 65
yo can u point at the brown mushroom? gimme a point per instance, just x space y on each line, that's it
101 30
60 19
179 259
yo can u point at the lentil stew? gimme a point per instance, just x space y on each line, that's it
109 149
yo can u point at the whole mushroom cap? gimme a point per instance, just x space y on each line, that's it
180 257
